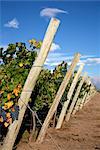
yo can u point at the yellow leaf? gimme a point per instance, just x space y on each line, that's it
16 91
6 124
1 92
20 64
9 120
8 105
19 86
8 115
1 119
9 96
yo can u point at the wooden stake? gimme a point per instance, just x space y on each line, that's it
77 94
90 95
30 84
75 99
85 95
57 99
82 101
66 103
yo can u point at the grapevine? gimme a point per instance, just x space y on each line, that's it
17 61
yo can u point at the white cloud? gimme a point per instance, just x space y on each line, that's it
51 12
96 81
12 24
94 60
54 47
52 64
90 61
4 47
87 56
54 58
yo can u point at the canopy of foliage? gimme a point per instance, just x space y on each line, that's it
17 61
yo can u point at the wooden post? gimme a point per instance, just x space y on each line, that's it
85 95
77 94
90 95
57 99
82 101
76 107
71 109
66 103
30 84
88 81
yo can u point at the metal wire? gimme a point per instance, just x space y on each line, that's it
57 146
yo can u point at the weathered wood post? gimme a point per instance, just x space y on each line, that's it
57 98
85 95
30 84
77 94
76 107
82 101
69 95
90 94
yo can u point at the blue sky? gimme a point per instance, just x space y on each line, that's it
79 30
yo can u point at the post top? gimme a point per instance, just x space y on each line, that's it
55 20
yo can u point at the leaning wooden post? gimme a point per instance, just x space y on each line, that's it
57 98
90 94
69 95
85 96
76 107
30 83
77 94
74 99
82 101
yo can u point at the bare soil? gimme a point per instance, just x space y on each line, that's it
82 132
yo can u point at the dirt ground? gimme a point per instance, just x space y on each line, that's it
82 132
